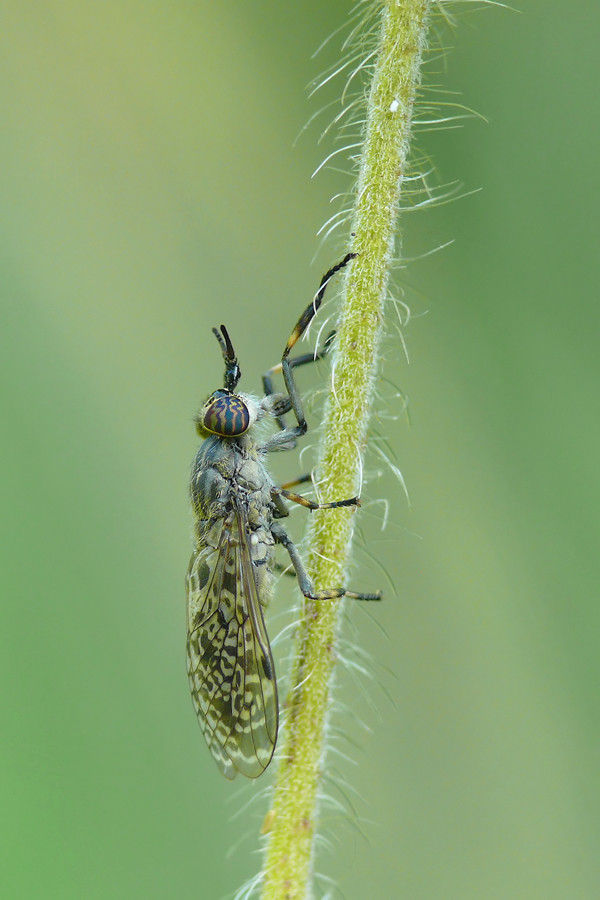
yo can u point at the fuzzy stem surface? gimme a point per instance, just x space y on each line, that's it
290 851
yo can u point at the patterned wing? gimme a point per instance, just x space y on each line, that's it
230 666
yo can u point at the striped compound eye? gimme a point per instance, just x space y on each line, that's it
226 415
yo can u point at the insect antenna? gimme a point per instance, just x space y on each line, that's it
233 373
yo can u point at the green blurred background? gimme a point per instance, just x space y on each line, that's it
149 190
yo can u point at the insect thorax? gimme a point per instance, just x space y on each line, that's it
228 476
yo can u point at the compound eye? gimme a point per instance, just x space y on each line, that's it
227 416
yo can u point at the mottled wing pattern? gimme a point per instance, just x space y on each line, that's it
230 666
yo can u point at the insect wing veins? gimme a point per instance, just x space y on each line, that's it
230 666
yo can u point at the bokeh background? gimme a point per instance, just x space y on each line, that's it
150 188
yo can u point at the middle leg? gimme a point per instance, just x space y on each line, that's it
310 504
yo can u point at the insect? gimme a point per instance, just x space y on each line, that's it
238 506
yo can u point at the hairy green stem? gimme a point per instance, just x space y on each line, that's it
289 856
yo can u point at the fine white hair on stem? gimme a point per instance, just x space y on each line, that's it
394 469
249 888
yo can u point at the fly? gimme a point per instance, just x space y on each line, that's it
238 508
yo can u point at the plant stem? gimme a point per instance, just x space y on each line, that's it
289 857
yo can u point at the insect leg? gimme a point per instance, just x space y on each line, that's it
301 326
267 379
304 581
303 479
310 504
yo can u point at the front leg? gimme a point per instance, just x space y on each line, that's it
269 387
287 364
